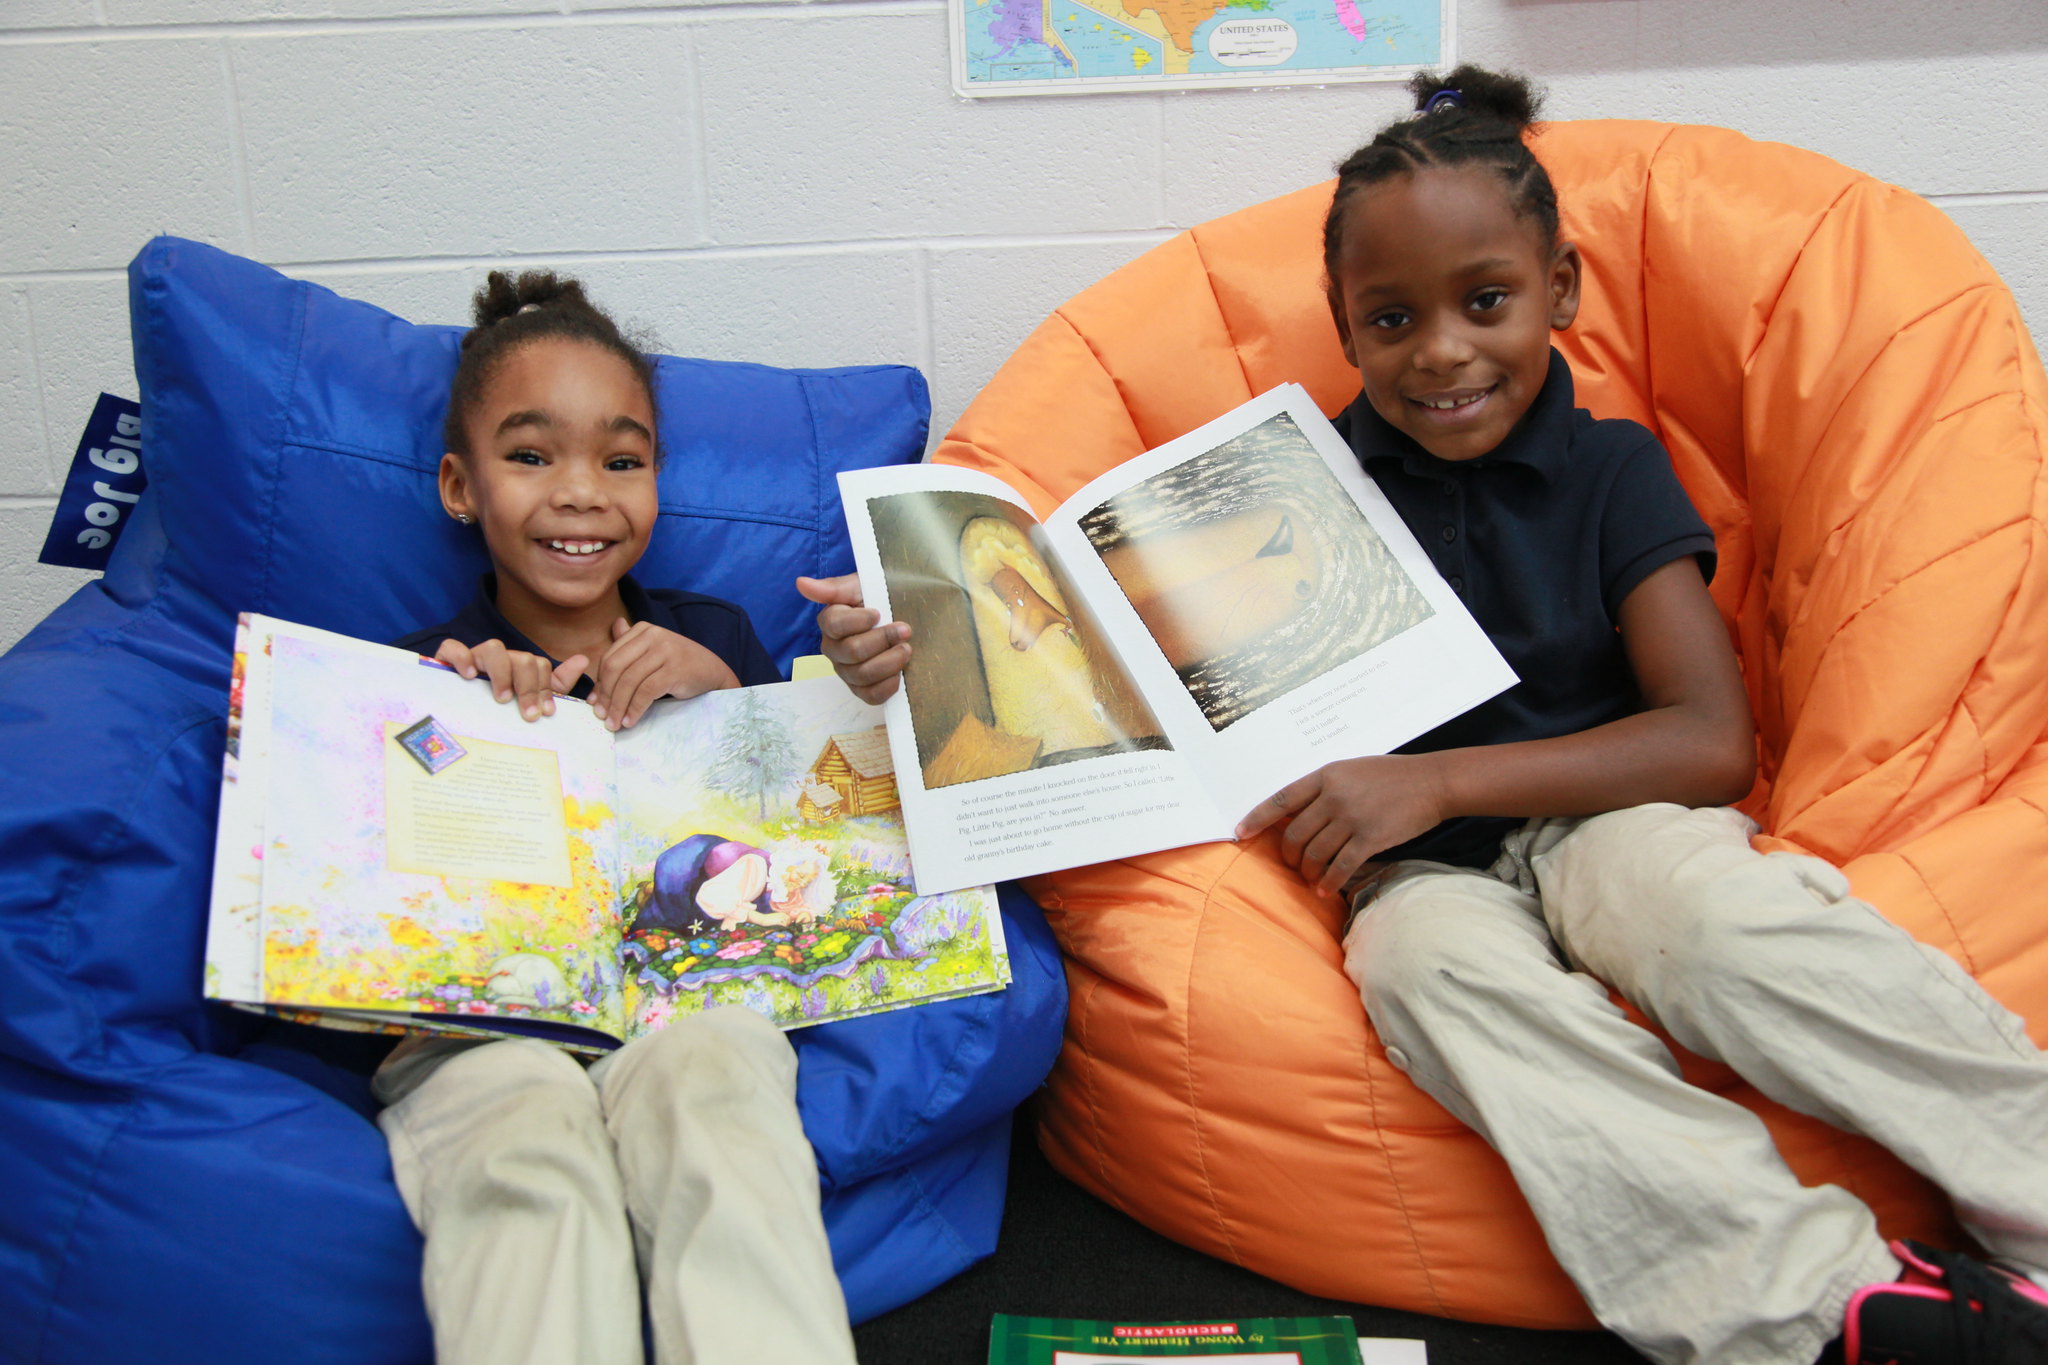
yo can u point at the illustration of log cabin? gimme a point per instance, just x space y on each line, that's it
854 775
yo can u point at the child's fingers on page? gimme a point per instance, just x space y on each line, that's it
531 678
628 676
457 656
848 625
874 694
880 671
1294 796
564 679
637 688
604 690
844 590
494 662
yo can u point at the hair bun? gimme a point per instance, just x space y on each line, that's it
1476 90
504 296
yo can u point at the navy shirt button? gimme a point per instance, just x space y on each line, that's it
1450 533
1458 585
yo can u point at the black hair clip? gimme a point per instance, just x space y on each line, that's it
1444 99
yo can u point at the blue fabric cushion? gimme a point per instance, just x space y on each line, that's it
182 1184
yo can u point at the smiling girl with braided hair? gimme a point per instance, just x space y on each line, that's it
1575 827
551 1196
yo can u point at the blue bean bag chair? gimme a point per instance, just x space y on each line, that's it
182 1182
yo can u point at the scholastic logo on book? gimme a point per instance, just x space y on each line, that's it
1179 1329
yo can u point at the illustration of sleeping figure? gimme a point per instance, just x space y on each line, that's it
708 880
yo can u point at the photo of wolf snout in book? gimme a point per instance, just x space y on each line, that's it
1252 570
399 851
1010 673
1177 640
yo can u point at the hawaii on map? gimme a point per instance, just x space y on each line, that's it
1017 47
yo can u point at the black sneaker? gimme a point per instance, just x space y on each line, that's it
1946 1310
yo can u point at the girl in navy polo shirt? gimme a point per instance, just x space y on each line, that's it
550 1196
1576 825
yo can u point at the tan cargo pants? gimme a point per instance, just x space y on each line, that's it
1666 1204
552 1198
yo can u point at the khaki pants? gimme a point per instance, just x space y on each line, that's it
551 1198
1667 1205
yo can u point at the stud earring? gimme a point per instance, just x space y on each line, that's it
464 517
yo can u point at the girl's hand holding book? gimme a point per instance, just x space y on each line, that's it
533 679
1342 814
868 653
646 662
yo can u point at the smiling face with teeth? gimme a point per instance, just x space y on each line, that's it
560 478
1445 297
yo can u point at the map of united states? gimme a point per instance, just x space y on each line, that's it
1144 41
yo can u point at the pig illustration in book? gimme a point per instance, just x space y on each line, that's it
801 886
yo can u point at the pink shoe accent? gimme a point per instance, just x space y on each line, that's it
1921 1279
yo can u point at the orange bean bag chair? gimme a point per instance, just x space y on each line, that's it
1850 396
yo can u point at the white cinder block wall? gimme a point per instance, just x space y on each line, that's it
796 183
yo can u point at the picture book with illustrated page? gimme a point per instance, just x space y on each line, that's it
1178 640
397 849
1017 1340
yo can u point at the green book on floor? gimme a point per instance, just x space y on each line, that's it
1247 1341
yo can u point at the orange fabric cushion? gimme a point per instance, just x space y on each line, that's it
1849 394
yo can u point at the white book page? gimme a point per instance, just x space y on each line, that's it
234 922
1020 743
1392 1351
1270 602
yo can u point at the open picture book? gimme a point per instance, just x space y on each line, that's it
1174 643
398 849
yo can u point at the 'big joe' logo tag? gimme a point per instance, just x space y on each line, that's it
106 479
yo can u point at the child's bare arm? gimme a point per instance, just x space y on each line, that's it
514 674
1693 743
867 653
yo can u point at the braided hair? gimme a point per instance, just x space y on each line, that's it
510 313
1471 117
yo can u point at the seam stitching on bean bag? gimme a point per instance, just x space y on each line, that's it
945 1225
1222 317
1115 384
300 321
937 1098
85 1192
1770 314
818 490
1969 959
103 846
1077 1019
1643 268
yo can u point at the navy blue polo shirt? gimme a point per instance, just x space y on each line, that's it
720 626
1542 539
